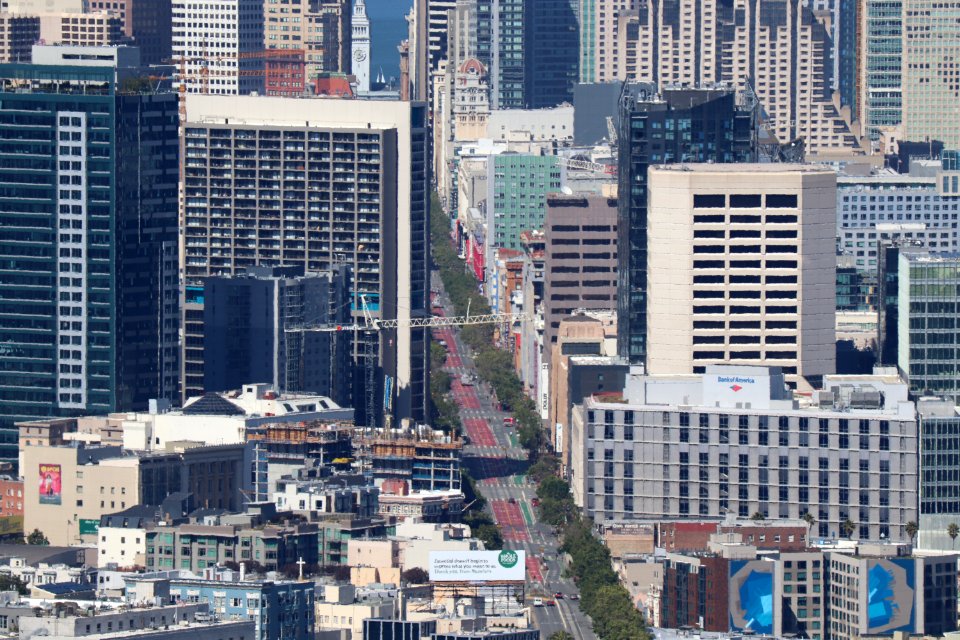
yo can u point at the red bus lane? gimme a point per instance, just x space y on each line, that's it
479 432
510 520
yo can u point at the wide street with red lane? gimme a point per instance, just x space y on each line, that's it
498 464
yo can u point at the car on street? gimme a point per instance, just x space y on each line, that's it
513 501
538 602
535 502
558 595
574 596
509 422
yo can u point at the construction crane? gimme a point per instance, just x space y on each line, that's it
371 324
288 56
586 165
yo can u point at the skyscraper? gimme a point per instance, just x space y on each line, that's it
215 43
600 48
88 320
777 47
679 125
319 28
315 183
251 331
879 101
931 71
741 268
551 52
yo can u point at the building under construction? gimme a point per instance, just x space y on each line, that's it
279 449
427 460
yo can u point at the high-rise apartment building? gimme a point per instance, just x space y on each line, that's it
657 129
931 71
741 268
600 43
581 258
777 47
88 322
438 14
251 331
318 28
216 45
732 440
314 183
18 34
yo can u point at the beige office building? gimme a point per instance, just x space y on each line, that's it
18 34
82 29
742 268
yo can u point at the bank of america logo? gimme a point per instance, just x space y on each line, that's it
736 387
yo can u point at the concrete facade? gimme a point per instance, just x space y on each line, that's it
17 36
732 440
68 489
581 258
742 268
366 164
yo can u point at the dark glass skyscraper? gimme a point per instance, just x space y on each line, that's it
551 52
677 125
88 238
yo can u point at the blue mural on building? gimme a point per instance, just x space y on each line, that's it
751 596
890 595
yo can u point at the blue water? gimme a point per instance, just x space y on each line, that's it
388 28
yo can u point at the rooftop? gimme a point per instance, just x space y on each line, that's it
745 167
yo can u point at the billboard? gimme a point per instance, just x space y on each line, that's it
50 484
477 566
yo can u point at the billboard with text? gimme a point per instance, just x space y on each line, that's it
477 566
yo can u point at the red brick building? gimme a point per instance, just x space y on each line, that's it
11 503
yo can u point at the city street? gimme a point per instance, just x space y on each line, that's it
498 463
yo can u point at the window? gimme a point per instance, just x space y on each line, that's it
781 201
745 201
709 201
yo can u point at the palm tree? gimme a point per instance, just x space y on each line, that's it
848 527
810 520
952 531
911 528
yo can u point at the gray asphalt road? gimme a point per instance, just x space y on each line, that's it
498 464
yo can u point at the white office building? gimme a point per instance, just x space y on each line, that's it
741 263
216 44
890 206
734 441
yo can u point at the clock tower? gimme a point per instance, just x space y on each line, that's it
361 45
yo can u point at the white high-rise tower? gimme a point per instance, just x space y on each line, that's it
361 45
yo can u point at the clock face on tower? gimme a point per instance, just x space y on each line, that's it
360 55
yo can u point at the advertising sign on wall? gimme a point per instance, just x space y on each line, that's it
50 484
473 566
89 526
